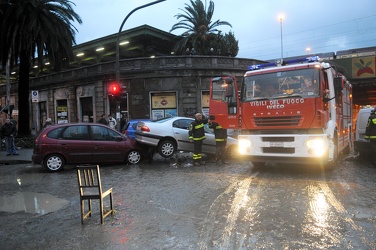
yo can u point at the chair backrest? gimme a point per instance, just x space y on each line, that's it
89 180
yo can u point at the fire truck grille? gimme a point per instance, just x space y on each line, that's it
283 121
278 150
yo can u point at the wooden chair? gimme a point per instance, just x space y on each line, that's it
90 187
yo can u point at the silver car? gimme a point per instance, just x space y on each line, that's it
170 134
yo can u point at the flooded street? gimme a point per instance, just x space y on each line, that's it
163 206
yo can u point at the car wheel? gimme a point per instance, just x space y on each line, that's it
54 163
133 157
166 148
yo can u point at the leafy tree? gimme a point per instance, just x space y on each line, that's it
200 31
35 28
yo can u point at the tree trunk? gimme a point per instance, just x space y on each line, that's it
23 96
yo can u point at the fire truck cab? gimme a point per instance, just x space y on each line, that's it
293 112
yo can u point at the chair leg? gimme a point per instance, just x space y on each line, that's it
101 208
90 209
82 211
111 204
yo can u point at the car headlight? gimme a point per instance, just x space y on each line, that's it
244 146
316 146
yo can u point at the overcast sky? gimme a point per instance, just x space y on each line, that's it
322 25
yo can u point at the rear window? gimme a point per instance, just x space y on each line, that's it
54 134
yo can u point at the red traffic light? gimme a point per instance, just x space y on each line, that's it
114 89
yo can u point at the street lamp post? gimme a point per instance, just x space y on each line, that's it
280 21
117 65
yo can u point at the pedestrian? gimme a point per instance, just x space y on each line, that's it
103 120
197 136
220 142
47 123
123 122
371 133
111 122
8 130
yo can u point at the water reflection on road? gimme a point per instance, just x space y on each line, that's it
30 202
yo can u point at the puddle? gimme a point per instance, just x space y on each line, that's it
30 202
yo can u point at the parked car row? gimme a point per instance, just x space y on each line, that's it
89 143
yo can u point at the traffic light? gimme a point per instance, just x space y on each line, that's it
114 89
123 91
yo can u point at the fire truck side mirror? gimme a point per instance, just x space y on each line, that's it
338 84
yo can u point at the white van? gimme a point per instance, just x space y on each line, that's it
361 145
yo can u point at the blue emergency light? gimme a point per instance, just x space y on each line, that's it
278 63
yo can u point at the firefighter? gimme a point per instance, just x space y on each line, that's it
371 133
220 141
197 136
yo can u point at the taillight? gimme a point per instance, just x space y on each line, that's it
145 128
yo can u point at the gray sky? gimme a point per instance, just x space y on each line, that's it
322 25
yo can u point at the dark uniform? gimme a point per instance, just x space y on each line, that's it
197 135
220 141
371 133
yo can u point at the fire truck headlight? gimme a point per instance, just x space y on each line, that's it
316 146
244 146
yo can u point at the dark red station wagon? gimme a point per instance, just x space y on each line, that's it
83 143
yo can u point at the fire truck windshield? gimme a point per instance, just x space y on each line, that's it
302 82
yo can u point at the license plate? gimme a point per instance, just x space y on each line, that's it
276 144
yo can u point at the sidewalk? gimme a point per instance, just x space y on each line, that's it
23 157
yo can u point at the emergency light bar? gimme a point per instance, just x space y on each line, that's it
278 63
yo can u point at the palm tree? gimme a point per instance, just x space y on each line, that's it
35 28
199 27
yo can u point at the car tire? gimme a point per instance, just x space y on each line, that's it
166 148
54 163
133 157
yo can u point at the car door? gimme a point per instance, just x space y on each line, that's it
75 144
106 144
180 128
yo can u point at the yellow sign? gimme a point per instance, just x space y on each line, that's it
163 100
364 67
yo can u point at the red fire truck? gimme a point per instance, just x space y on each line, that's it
295 112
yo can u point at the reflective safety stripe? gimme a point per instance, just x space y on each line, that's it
197 156
219 139
218 127
370 136
374 120
200 138
199 126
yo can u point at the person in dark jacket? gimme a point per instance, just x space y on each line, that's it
103 120
371 132
220 141
197 136
8 130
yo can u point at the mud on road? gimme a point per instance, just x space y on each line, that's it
167 206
